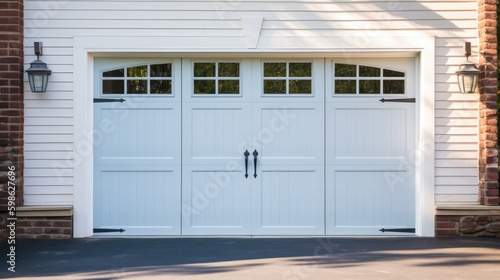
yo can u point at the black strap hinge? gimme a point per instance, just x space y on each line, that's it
106 100
406 230
97 230
403 100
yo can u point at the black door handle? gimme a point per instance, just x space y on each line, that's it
246 154
255 154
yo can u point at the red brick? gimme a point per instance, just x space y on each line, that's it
491 160
446 225
42 236
489 185
491 201
488 97
42 223
487 25
492 192
490 177
491 169
446 232
25 236
11 78
22 223
9 13
448 218
33 230
52 230
62 223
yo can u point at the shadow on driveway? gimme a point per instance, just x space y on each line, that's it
283 258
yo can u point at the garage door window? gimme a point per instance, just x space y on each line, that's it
216 78
287 78
365 80
142 79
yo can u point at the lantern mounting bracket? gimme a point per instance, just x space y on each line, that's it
38 49
468 50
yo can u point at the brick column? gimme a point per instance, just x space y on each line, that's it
11 101
488 153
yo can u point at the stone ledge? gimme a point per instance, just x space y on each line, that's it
44 211
467 210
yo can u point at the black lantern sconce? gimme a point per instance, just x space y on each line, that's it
38 73
468 73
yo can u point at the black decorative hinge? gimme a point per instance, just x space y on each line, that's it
403 100
406 230
106 100
97 230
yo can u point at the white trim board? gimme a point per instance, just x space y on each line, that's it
85 48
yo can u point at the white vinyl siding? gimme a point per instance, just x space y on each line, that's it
457 131
49 117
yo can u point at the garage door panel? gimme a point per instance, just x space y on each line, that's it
379 163
370 180
215 133
368 132
289 134
215 201
369 198
131 136
139 199
366 201
288 200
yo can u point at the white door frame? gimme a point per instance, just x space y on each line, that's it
86 48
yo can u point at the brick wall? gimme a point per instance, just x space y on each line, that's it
488 153
44 227
11 101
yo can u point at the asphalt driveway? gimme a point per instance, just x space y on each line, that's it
254 258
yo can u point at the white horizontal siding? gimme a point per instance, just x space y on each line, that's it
453 198
49 117
47 198
256 6
457 131
49 138
456 172
46 172
47 181
92 14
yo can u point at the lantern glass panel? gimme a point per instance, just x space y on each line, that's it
467 82
38 82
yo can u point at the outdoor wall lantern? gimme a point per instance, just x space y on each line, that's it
38 73
468 74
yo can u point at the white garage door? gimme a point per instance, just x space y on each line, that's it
137 147
250 147
271 111
370 147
